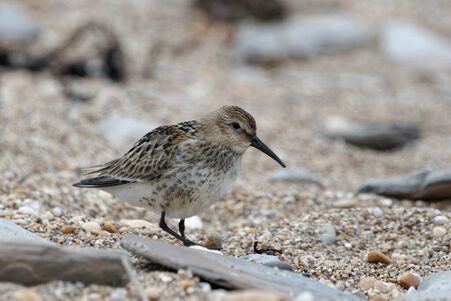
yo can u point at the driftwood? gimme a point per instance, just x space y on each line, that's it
31 263
230 272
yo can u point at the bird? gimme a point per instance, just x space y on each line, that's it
180 170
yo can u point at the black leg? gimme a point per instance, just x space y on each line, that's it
165 227
182 227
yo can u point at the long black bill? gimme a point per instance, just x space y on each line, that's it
257 143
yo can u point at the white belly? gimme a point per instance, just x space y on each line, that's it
183 195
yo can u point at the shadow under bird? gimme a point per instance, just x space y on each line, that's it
182 169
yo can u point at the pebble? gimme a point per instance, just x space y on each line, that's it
109 227
25 294
153 292
26 210
92 227
138 223
329 236
186 284
383 287
438 232
57 212
377 212
376 298
268 260
376 256
411 260
68 229
194 223
251 295
385 247
439 220
367 283
345 203
407 280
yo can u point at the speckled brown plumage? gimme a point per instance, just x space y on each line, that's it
180 170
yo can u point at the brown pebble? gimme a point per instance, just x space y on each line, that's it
367 283
186 284
407 280
382 286
25 294
376 256
67 229
376 298
110 227
153 292
411 259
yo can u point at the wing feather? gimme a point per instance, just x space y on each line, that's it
150 158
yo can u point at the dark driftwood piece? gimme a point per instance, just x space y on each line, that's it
31 263
230 272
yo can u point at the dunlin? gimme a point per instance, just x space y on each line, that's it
180 170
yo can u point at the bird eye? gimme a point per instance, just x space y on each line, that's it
236 125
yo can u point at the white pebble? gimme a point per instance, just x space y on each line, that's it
329 236
439 220
289 199
387 202
377 212
194 223
438 232
57 211
27 210
348 245
91 226
165 278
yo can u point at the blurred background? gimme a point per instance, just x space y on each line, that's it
80 81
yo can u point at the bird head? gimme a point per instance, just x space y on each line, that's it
236 129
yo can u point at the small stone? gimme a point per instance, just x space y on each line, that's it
57 212
26 210
92 227
201 248
407 280
68 229
377 212
268 260
383 287
152 292
440 220
194 223
367 283
438 232
25 294
110 227
186 284
385 247
411 260
376 298
329 236
376 256
138 223
251 295
345 203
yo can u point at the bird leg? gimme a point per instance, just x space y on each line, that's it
186 242
182 227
